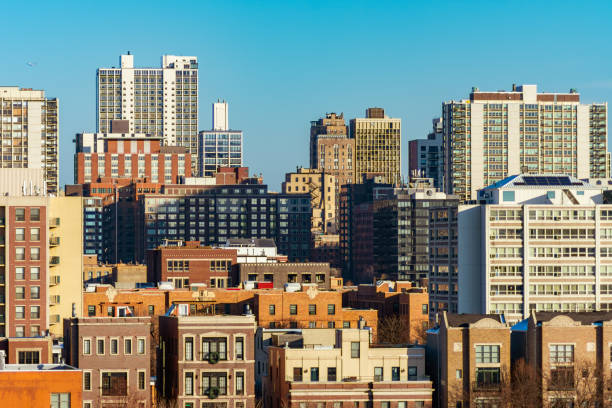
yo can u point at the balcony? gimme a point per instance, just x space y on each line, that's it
54 261
54 241
54 222
485 387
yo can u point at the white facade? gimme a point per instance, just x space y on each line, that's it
162 101
220 116
94 142
542 247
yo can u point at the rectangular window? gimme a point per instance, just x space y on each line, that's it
140 346
20 273
297 374
20 254
508 195
114 346
272 310
314 374
214 348
29 357
60 400
412 373
550 195
212 381
188 383
34 253
151 310
100 346
86 346
487 353
189 348
19 312
86 381
331 373
34 292
561 353
19 292
19 214
331 309
34 214
141 380
34 312
425 308
239 383
114 384
19 234
385 404
34 273
354 349
378 374
293 309
487 376
34 234
312 309
127 346
346 325
240 348
19 331
395 373
91 311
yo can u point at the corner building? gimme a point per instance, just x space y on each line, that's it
493 135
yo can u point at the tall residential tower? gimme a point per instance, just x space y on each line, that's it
495 134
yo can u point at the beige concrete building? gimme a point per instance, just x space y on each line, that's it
30 123
322 189
493 135
378 144
65 260
467 357
341 367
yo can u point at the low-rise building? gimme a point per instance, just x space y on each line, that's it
115 356
207 361
27 350
340 368
467 357
279 274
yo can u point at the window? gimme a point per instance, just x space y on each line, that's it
34 273
20 254
20 292
34 312
34 234
110 311
550 195
385 404
20 331
86 381
378 374
401 404
19 312
354 349
508 195
91 311
331 373
34 292
331 325
114 384
425 308
34 330
34 253
34 214
458 374
188 383
151 310
20 273
239 383
412 373
216 381
141 380
19 214
86 346
561 353
312 309
217 345
487 353
293 309
346 325
297 374
140 346
272 310
60 400
314 374
29 357
331 309
487 376
239 348
19 234
189 348
419 404
114 346
100 346
395 373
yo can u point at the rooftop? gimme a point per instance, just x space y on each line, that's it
585 318
538 181
36 367
465 320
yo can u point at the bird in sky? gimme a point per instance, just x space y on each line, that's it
31 64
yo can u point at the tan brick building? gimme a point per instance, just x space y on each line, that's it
467 357
339 368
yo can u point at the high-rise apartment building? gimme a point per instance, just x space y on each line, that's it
162 102
425 156
538 242
220 146
492 135
30 124
377 146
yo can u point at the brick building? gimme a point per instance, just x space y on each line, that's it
114 354
394 299
341 368
41 385
207 361
27 350
184 263
310 308
467 357
319 273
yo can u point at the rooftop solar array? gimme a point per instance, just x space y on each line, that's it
546 181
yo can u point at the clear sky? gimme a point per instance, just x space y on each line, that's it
281 64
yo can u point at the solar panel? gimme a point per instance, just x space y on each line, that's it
547 181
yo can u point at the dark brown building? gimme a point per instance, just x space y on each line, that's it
114 354
185 263
286 272
207 361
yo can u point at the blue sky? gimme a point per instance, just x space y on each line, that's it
282 64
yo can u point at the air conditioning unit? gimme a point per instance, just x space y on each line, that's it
55 318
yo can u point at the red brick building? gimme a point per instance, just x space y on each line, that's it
188 262
27 350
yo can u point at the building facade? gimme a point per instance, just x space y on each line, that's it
162 102
281 273
496 134
207 361
378 146
425 157
30 126
538 242
114 354
220 146
93 239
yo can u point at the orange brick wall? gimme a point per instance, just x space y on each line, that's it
34 388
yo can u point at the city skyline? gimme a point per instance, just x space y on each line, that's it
312 69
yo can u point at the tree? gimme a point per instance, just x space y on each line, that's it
522 387
393 329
